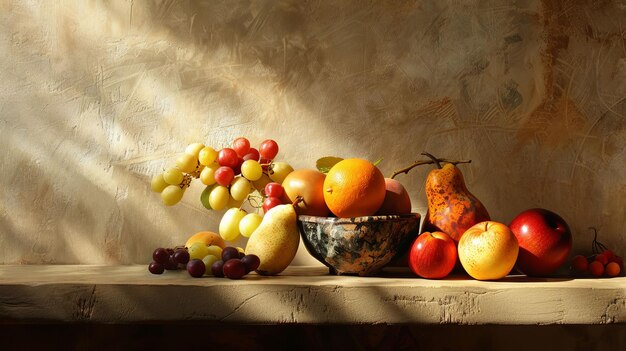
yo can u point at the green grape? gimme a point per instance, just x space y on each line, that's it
207 156
197 250
261 183
229 225
252 170
279 171
204 197
173 176
158 183
240 188
187 163
172 194
194 149
219 197
207 176
249 223
215 250
208 262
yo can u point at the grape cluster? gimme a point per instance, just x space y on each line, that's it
603 262
234 264
229 174
200 259
168 259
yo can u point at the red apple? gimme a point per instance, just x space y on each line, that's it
488 250
432 255
397 200
545 241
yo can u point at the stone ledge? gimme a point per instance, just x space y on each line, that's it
129 294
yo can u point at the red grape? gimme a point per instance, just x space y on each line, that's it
253 154
228 157
234 269
160 255
274 190
241 146
229 253
181 256
196 268
268 149
251 262
171 263
270 203
156 268
224 175
217 269
237 169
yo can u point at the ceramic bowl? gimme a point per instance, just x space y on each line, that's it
358 246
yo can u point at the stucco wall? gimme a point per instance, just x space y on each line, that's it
98 96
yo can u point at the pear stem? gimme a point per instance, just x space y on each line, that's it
432 158
426 162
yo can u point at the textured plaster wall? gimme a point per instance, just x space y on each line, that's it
98 96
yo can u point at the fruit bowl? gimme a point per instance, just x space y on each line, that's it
360 245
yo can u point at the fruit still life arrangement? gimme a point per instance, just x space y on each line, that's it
356 221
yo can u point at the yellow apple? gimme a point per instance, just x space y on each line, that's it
488 250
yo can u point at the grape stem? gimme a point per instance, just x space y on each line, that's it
187 178
197 171
249 199
427 162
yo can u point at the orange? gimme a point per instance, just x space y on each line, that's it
353 188
208 238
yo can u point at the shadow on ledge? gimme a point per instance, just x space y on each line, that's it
311 337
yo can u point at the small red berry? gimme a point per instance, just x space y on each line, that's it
596 268
602 259
580 264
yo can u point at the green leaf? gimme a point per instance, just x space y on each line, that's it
324 164
204 197
378 161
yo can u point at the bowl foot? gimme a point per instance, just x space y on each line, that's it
333 271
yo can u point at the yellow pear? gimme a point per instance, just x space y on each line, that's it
276 240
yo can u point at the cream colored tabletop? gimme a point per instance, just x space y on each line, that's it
130 294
